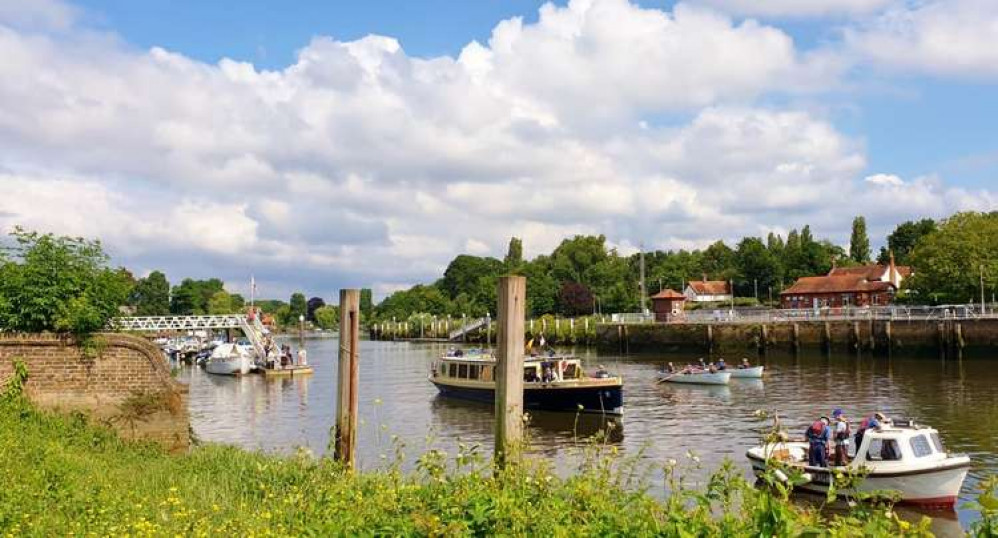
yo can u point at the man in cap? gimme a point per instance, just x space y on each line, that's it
841 437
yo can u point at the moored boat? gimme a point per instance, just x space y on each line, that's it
900 456
551 383
696 377
752 372
229 359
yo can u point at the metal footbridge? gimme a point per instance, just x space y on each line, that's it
253 329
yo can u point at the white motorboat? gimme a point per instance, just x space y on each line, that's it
229 359
696 377
752 372
900 456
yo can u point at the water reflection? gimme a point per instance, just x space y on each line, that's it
660 421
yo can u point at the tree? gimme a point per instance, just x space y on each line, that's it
903 239
366 304
327 317
298 305
191 296
950 261
151 295
718 262
575 299
54 283
756 266
464 274
221 303
514 255
313 304
859 242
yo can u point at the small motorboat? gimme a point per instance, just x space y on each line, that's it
229 359
550 382
900 456
696 377
752 372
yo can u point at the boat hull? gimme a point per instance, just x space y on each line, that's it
720 378
929 488
754 372
607 399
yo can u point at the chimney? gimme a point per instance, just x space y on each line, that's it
892 271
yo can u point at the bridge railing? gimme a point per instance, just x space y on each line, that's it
176 323
776 315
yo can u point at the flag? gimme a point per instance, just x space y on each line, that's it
530 345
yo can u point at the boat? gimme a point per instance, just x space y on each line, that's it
900 456
752 372
695 377
550 383
229 359
290 370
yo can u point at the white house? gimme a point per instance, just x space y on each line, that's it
705 291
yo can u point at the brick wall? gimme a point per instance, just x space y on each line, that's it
118 369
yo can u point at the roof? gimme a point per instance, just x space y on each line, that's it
709 287
669 293
871 272
836 284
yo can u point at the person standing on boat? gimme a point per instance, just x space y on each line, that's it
876 421
818 434
841 437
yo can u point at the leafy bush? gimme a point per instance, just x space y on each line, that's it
61 284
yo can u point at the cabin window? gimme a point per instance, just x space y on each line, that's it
530 374
937 442
920 446
473 371
883 450
462 371
487 373
570 372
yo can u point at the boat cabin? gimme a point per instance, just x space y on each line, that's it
474 367
899 442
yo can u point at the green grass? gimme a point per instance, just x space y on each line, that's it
65 476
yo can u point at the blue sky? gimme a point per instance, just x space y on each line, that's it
287 143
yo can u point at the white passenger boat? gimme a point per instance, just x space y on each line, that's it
752 372
901 456
229 359
696 377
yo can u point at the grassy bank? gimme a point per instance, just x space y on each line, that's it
63 475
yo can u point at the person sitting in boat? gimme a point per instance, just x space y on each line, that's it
720 364
703 364
601 372
876 421
670 368
745 364
711 368
817 435
841 437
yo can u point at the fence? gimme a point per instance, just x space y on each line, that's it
776 315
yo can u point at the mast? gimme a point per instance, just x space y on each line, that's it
643 294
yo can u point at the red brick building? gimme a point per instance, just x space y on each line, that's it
865 285
668 305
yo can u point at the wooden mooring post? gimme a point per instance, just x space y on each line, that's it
509 368
346 387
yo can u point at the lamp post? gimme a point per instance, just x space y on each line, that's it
301 330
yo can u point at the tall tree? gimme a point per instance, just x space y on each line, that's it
366 304
191 296
327 317
514 255
575 299
718 262
949 263
859 242
903 239
221 303
758 268
62 284
299 306
313 304
151 295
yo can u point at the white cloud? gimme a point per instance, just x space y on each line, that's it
952 37
39 14
797 8
360 164
884 179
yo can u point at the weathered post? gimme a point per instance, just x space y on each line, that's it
346 388
796 338
827 340
509 368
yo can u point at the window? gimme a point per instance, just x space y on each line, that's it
920 446
462 371
473 371
937 442
486 373
883 450
451 370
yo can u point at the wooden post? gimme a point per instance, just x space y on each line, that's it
827 343
796 337
346 388
855 336
710 339
509 368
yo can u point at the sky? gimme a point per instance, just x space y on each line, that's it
318 145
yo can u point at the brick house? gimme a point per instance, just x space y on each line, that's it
668 305
864 285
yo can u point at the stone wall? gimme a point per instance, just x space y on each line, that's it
949 338
119 379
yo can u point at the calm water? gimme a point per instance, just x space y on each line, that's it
660 421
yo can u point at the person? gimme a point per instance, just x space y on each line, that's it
302 357
670 368
711 368
745 364
720 364
703 364
817 435
841 437
601 372
876 421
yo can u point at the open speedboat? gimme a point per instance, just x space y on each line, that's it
551 383
900 456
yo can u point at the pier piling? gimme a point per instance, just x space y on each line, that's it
509 368
346 387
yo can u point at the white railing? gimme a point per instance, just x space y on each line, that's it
177 323
776 315
467 328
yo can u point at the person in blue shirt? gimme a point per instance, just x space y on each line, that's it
720 364
818 435
876 422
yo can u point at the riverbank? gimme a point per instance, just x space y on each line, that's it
64 475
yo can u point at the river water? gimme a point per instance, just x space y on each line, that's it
660 422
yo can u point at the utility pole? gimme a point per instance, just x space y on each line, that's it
755 285
731 288
982 289
643 294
